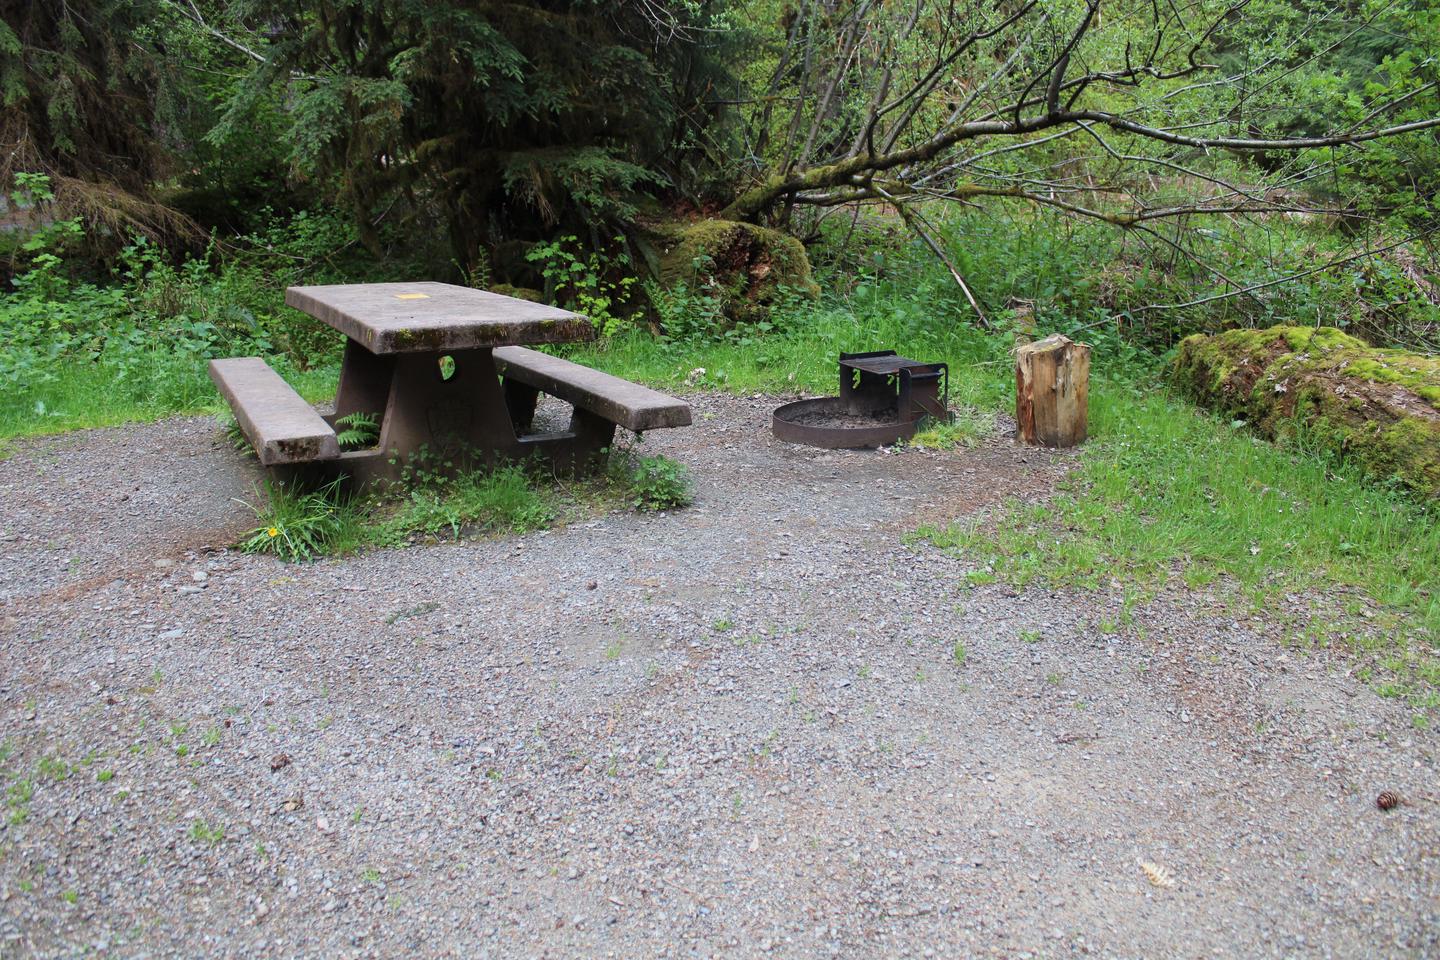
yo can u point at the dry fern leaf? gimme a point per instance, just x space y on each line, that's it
1157 875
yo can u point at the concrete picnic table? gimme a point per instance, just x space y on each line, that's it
424 360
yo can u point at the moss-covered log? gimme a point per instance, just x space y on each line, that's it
1377 408
746 266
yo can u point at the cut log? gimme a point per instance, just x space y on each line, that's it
1052 392
1379 409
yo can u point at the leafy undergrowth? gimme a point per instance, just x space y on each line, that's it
1164 493
300 525
797 351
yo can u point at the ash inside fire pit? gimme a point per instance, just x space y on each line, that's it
843 419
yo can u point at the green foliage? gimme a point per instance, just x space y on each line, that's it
78 101
360 430
500 120
298 526
587 283
796 348
76 352
687 315
1338 71
653 483
235 436
743 272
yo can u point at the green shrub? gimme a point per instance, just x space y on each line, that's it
599 288
657 483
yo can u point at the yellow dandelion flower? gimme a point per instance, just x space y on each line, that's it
273 531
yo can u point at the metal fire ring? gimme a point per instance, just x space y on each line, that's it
785 427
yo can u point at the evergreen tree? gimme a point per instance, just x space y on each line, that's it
80 91
495 119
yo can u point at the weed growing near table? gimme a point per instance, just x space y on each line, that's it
235 436
428 505
298 526
505 500
651 483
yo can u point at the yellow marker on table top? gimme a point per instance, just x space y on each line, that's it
412 296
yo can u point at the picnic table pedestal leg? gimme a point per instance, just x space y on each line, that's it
365 380
451 417
521 399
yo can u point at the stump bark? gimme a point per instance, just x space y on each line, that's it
1052 392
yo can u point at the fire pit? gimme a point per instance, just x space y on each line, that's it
883 398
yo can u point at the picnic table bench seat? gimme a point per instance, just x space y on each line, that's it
630 405
277 421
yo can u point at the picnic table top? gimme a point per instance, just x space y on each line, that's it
427 317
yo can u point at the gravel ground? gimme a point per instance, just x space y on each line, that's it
738 729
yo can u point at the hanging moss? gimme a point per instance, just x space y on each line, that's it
747 266
1378 408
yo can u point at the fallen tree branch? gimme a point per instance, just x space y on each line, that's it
916 223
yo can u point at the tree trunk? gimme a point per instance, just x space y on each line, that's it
1379 409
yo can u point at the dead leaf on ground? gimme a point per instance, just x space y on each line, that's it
1157 875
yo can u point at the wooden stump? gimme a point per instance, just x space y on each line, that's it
1052 392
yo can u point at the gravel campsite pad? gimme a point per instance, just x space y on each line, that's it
762 725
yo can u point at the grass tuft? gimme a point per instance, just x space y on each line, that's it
298 526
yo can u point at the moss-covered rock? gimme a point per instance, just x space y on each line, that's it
1378 408
746 266
520 293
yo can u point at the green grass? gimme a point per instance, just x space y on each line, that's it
1165 493
299 525
88 395
506 500
800 357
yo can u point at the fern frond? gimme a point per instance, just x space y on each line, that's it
360 430
236 436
